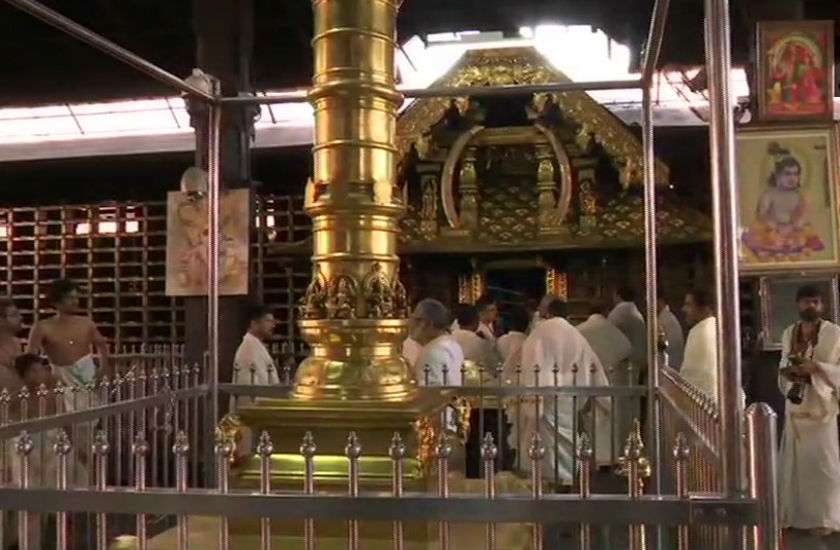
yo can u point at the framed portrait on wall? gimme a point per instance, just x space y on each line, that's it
795 70
787 198
778 304
186 243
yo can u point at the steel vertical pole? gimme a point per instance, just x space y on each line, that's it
214 129
724 215
762 471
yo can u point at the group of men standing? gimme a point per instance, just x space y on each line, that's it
608 348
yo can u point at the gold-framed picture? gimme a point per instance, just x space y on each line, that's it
186 243
795 70
787 198
778 303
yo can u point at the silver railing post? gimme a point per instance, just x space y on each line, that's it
265 448
223 450
353 451
763 485
682 454
725 249
61 448
24 448
443 450
307 450
397 453
488 455
181 448
100 450
585 454
536 454
140 448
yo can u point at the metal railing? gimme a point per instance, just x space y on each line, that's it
106 498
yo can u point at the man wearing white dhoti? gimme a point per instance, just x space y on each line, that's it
627 317
440 360
69 341
610 344
670 326
809 474
509 345
699 366
476 347
555 342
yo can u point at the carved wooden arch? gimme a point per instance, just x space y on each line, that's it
447 196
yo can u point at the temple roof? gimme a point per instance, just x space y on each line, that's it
525 65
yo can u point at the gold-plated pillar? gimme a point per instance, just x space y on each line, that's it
355 307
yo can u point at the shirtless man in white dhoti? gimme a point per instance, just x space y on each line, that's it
70 340
809 474
10 345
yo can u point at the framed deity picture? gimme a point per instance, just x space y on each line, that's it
186 243
787 198
795 70
778 304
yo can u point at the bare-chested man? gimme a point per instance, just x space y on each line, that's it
68 339
10 345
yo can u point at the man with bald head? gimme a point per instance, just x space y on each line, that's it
440 360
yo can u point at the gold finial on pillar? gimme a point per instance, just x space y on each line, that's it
354 316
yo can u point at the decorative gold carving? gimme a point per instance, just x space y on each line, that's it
471 286
378 294
315 300
342 298
526 66
428 212
230 428
550 217
400 297
556 283
464 408
424 430
587 200
468 189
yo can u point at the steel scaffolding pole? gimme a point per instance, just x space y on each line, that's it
724 216
83 34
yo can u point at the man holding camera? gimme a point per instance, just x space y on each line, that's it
809 376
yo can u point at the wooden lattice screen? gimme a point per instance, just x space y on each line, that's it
118 253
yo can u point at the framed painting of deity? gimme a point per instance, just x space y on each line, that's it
795 70
787 198
186 243
778 303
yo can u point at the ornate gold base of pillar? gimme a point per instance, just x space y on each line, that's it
354 359
330 421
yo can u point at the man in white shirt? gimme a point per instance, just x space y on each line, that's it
488 316
475 346
699 366
509 346
610 344
670 326
627 317
809 466
440 360
252 363
555 342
